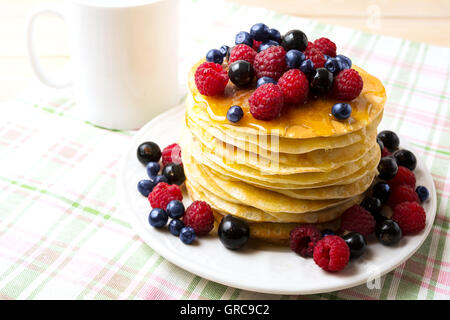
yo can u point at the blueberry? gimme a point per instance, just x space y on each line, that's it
264 80
225 51
356 243
145 187
235 113
158 218
341 111
175 209
233 232
174 173
423 193
387 168
260 32
327 232
388 232
244 37
267 44
307 67
405 158
294 59
187 235
373 205
148 152
381 191
275 35
295 39
380 143
159 178
390 140
175 227
241 73
320 81
215 56
152 169
332 65
344 62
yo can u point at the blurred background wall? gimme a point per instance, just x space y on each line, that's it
421 20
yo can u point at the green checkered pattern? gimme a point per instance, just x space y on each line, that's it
63 235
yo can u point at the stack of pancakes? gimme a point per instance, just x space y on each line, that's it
304 167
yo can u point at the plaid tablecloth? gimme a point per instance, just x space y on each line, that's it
62 234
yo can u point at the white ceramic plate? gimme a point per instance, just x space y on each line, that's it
258 267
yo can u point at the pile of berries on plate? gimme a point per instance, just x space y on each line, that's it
163 188
393 210
285 70
165 197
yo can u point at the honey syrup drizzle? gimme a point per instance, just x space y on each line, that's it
313 118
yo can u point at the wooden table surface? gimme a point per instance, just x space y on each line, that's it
421 20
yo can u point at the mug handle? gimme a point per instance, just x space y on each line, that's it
34 58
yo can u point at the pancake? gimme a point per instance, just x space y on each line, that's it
242 193
253 214
332 192
281 163
344 175
277 233
310 120
272 232
265 143
325 193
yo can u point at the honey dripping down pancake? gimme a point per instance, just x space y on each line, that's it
305 166
310 120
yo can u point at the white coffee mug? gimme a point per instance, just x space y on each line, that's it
123 58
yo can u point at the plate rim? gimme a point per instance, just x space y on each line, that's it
187 265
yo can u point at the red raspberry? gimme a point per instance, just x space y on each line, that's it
270 62
316 57
326 46
357 219
266 102
163 193
403 176
308 47
303 239
171 154
331 253
410 216
242 52
385 152
403 193
294 85
200 217
211 79
347 85
256 44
